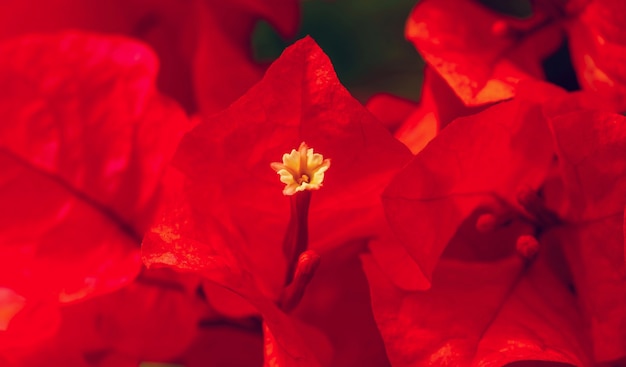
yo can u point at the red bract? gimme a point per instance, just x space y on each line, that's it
416 124
231 220
473 161
576 209
598 45
390 110
590 146
437 108
84 140
223 67
203 46
153 319
479 314
338 302
481 54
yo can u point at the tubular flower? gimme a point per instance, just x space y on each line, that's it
301 169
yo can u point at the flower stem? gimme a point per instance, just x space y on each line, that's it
297 236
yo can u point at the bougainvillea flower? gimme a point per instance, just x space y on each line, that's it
481 54
473 161
84 140
232 223
203 46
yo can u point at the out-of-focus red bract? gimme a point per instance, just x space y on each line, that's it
203 46
84 140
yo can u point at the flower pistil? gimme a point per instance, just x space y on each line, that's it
301 170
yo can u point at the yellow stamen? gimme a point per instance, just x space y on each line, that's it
301 169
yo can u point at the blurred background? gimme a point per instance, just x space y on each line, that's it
363 38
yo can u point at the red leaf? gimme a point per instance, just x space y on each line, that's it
475 160
83 144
